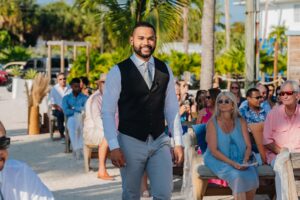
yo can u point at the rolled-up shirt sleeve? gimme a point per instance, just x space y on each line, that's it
110 100
172 111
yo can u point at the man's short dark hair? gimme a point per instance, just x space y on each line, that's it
250 92
75 80
143 24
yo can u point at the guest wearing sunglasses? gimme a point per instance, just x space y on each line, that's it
264 91
255 115
281 130
229 147
55 100
236 90
205 113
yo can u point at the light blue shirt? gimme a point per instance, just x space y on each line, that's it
111 96
72 104
57 93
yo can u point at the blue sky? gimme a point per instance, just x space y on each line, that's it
237 12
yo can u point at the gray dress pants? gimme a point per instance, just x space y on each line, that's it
152 156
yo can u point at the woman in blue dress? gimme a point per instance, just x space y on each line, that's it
229 147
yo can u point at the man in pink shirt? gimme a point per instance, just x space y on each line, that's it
282 126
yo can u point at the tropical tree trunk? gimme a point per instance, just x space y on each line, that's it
227 24
207 62
276 49
139 12
185 29
34 124
265 22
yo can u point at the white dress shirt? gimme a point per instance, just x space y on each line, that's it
57 93
111 97
20 182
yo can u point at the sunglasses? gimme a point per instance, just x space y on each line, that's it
62 79
208 97
258 97
235 88
288 93
226 101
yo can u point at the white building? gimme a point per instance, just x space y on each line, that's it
279 12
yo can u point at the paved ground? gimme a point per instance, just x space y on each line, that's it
63 175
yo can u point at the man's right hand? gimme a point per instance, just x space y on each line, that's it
117 158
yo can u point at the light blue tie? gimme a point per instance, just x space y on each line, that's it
147 74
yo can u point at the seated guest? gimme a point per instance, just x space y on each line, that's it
281 130
55 99
93 128
255 116
84 85
200 100
73 107
236 90
271 97
205 113
283 122
264 93
229 147
18 181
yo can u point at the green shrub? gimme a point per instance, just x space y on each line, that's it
16 71
30 74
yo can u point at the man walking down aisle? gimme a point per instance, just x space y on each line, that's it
142 88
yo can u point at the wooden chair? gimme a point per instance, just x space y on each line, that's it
67 138
52 122
89 152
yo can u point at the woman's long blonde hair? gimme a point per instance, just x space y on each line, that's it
235 110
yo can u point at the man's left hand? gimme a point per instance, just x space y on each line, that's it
178 155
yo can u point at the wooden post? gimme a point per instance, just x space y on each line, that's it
216 83
34 123
249 50
62 57
279 80
87 59
228 81
49 61
74 52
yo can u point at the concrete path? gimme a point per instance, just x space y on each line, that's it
63 175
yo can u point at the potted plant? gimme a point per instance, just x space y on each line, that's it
29 76
35 95
16 80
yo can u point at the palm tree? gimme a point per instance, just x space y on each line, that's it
207 64
278 32
185 29
120 17
266 21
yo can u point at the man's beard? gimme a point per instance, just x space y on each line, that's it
138 51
